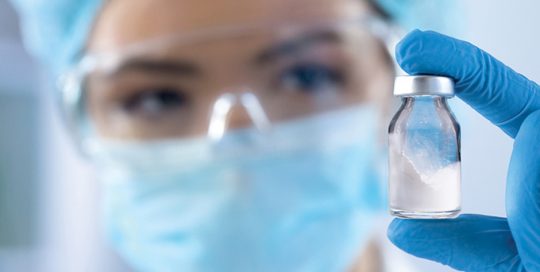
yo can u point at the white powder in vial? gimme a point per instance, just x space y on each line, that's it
412 190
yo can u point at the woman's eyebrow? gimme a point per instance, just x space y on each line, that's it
294 46
157 66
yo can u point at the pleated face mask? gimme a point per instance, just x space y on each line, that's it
301 197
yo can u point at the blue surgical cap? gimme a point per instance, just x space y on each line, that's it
55 31
438 15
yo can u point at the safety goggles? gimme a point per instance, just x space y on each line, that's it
212 81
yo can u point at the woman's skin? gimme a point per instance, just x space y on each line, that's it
127 21
221 64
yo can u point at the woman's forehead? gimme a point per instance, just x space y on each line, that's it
123 22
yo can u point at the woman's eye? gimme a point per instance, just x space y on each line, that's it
311 78
152 102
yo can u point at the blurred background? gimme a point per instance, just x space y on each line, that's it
49 201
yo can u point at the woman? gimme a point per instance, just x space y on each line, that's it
230 135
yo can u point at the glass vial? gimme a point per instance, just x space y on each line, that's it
424 150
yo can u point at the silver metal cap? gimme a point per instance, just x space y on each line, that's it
423 85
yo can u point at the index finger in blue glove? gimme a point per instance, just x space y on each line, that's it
497 92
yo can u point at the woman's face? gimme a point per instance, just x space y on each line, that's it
169 90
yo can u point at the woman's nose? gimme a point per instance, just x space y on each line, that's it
238 117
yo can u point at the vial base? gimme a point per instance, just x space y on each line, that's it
425 215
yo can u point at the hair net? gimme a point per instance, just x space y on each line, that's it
55 31
438 15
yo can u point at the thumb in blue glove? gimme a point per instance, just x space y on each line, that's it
512 102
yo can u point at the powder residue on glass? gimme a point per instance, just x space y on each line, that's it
422 190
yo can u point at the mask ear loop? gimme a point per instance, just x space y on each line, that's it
222 108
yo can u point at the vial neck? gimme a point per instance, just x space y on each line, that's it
436 100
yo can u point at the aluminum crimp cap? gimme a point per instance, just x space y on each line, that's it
423 85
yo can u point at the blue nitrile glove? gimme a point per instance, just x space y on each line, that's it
512 102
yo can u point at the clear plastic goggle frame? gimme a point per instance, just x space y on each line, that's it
261 105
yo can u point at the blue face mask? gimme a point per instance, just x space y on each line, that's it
302 199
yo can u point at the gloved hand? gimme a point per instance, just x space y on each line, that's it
512 102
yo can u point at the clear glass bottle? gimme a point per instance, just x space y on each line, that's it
424 150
